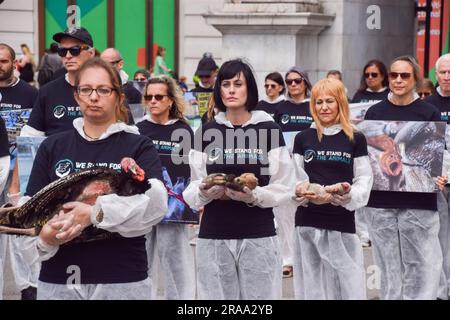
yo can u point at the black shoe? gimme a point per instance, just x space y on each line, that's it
29 293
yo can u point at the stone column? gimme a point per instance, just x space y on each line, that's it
271 35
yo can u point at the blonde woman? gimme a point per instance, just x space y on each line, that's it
26 65
171 135
328 258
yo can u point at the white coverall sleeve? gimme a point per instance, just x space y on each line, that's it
132 216
197 163
4 171
361 184
28 131
281 183
299 164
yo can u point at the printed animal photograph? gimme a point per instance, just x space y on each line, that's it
405 156
177 178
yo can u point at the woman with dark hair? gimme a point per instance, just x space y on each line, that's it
141 75
374 83
112 268
160 64
404 226
172 136
328 256
425 89
238 251
274 85
293 114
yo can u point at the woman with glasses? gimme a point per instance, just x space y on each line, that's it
404 226
374 83
172 137
425 89
274 86
237 250
328 256
293 114
103 269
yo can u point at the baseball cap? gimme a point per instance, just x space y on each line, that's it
77 33
205 66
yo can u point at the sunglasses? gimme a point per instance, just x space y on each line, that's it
74 51
368 75
403 75
271 86
289 82
424 94
158 97
140 79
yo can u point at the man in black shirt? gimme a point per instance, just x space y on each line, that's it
15 94
207 72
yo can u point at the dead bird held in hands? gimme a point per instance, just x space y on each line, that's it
83 186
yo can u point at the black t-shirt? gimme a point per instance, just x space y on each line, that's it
4 144
55 108
292 116
26 72
442 103
18 96
328 162
268 107
105 261
229 219
418 110
162 139
367 96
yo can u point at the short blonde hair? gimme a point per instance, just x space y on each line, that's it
336 89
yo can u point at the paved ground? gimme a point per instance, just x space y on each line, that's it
10 293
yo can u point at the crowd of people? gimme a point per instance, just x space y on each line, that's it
308 217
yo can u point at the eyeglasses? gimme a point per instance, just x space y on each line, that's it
115 62
403 75
271 86
158 97
289 82
424 94
368 75
101 91
140 79
74 51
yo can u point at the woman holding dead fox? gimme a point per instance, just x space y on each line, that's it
328 258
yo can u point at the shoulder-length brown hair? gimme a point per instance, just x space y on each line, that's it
336 89
116 84
174 92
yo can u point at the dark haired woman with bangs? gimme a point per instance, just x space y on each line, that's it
104 269
237 251
165 124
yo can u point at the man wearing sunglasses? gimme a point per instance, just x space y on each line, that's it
206 71
441 99
132 95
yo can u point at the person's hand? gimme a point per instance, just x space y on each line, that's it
60 229
215 192
341 200
246 195
441 181
13 198
81 212
299 197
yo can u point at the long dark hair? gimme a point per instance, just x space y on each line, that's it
383 72
121 111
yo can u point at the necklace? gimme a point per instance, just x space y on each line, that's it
92 138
